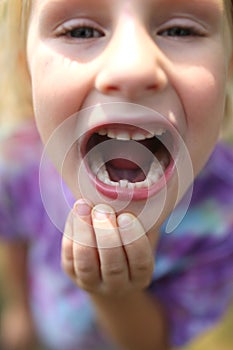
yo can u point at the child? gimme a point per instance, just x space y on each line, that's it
159 73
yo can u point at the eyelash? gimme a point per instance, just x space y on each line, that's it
180 31
86 32
83 32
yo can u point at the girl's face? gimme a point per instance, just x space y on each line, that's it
129 57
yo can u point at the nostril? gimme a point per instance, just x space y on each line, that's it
130 82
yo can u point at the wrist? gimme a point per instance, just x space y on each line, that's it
17 302
117 300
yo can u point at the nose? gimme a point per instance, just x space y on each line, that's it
132 64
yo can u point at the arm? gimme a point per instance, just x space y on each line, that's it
135 322
17 331
14 273
112 259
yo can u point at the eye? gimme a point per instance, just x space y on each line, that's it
84 33
79 31
178 31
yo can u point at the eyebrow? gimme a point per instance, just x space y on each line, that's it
54 9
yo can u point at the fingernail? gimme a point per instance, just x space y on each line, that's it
82 208
125 220
102 212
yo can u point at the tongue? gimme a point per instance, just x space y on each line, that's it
122 169
121 163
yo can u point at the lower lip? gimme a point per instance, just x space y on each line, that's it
136 194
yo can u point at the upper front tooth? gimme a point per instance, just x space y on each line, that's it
123 135
119 135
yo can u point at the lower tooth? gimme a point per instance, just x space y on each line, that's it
107 181
153 177
149 182
124 183
139 184
156 171
102 174
131 185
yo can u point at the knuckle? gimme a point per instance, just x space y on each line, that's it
87 281
143 266
85 269
113 270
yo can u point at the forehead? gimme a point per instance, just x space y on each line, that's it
111 3
147 9
218 9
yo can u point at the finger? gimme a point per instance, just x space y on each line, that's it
113 262
85 254
67 256
138 249
67 247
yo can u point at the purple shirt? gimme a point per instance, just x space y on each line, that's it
193 277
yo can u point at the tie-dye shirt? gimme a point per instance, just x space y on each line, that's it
193 277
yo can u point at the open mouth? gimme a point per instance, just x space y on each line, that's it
123 160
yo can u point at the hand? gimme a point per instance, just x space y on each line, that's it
106 254
17 330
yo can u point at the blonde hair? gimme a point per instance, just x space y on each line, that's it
15 87
15 80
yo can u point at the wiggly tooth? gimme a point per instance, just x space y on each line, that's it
123 183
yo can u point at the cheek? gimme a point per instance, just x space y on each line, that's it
204 101
59 87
